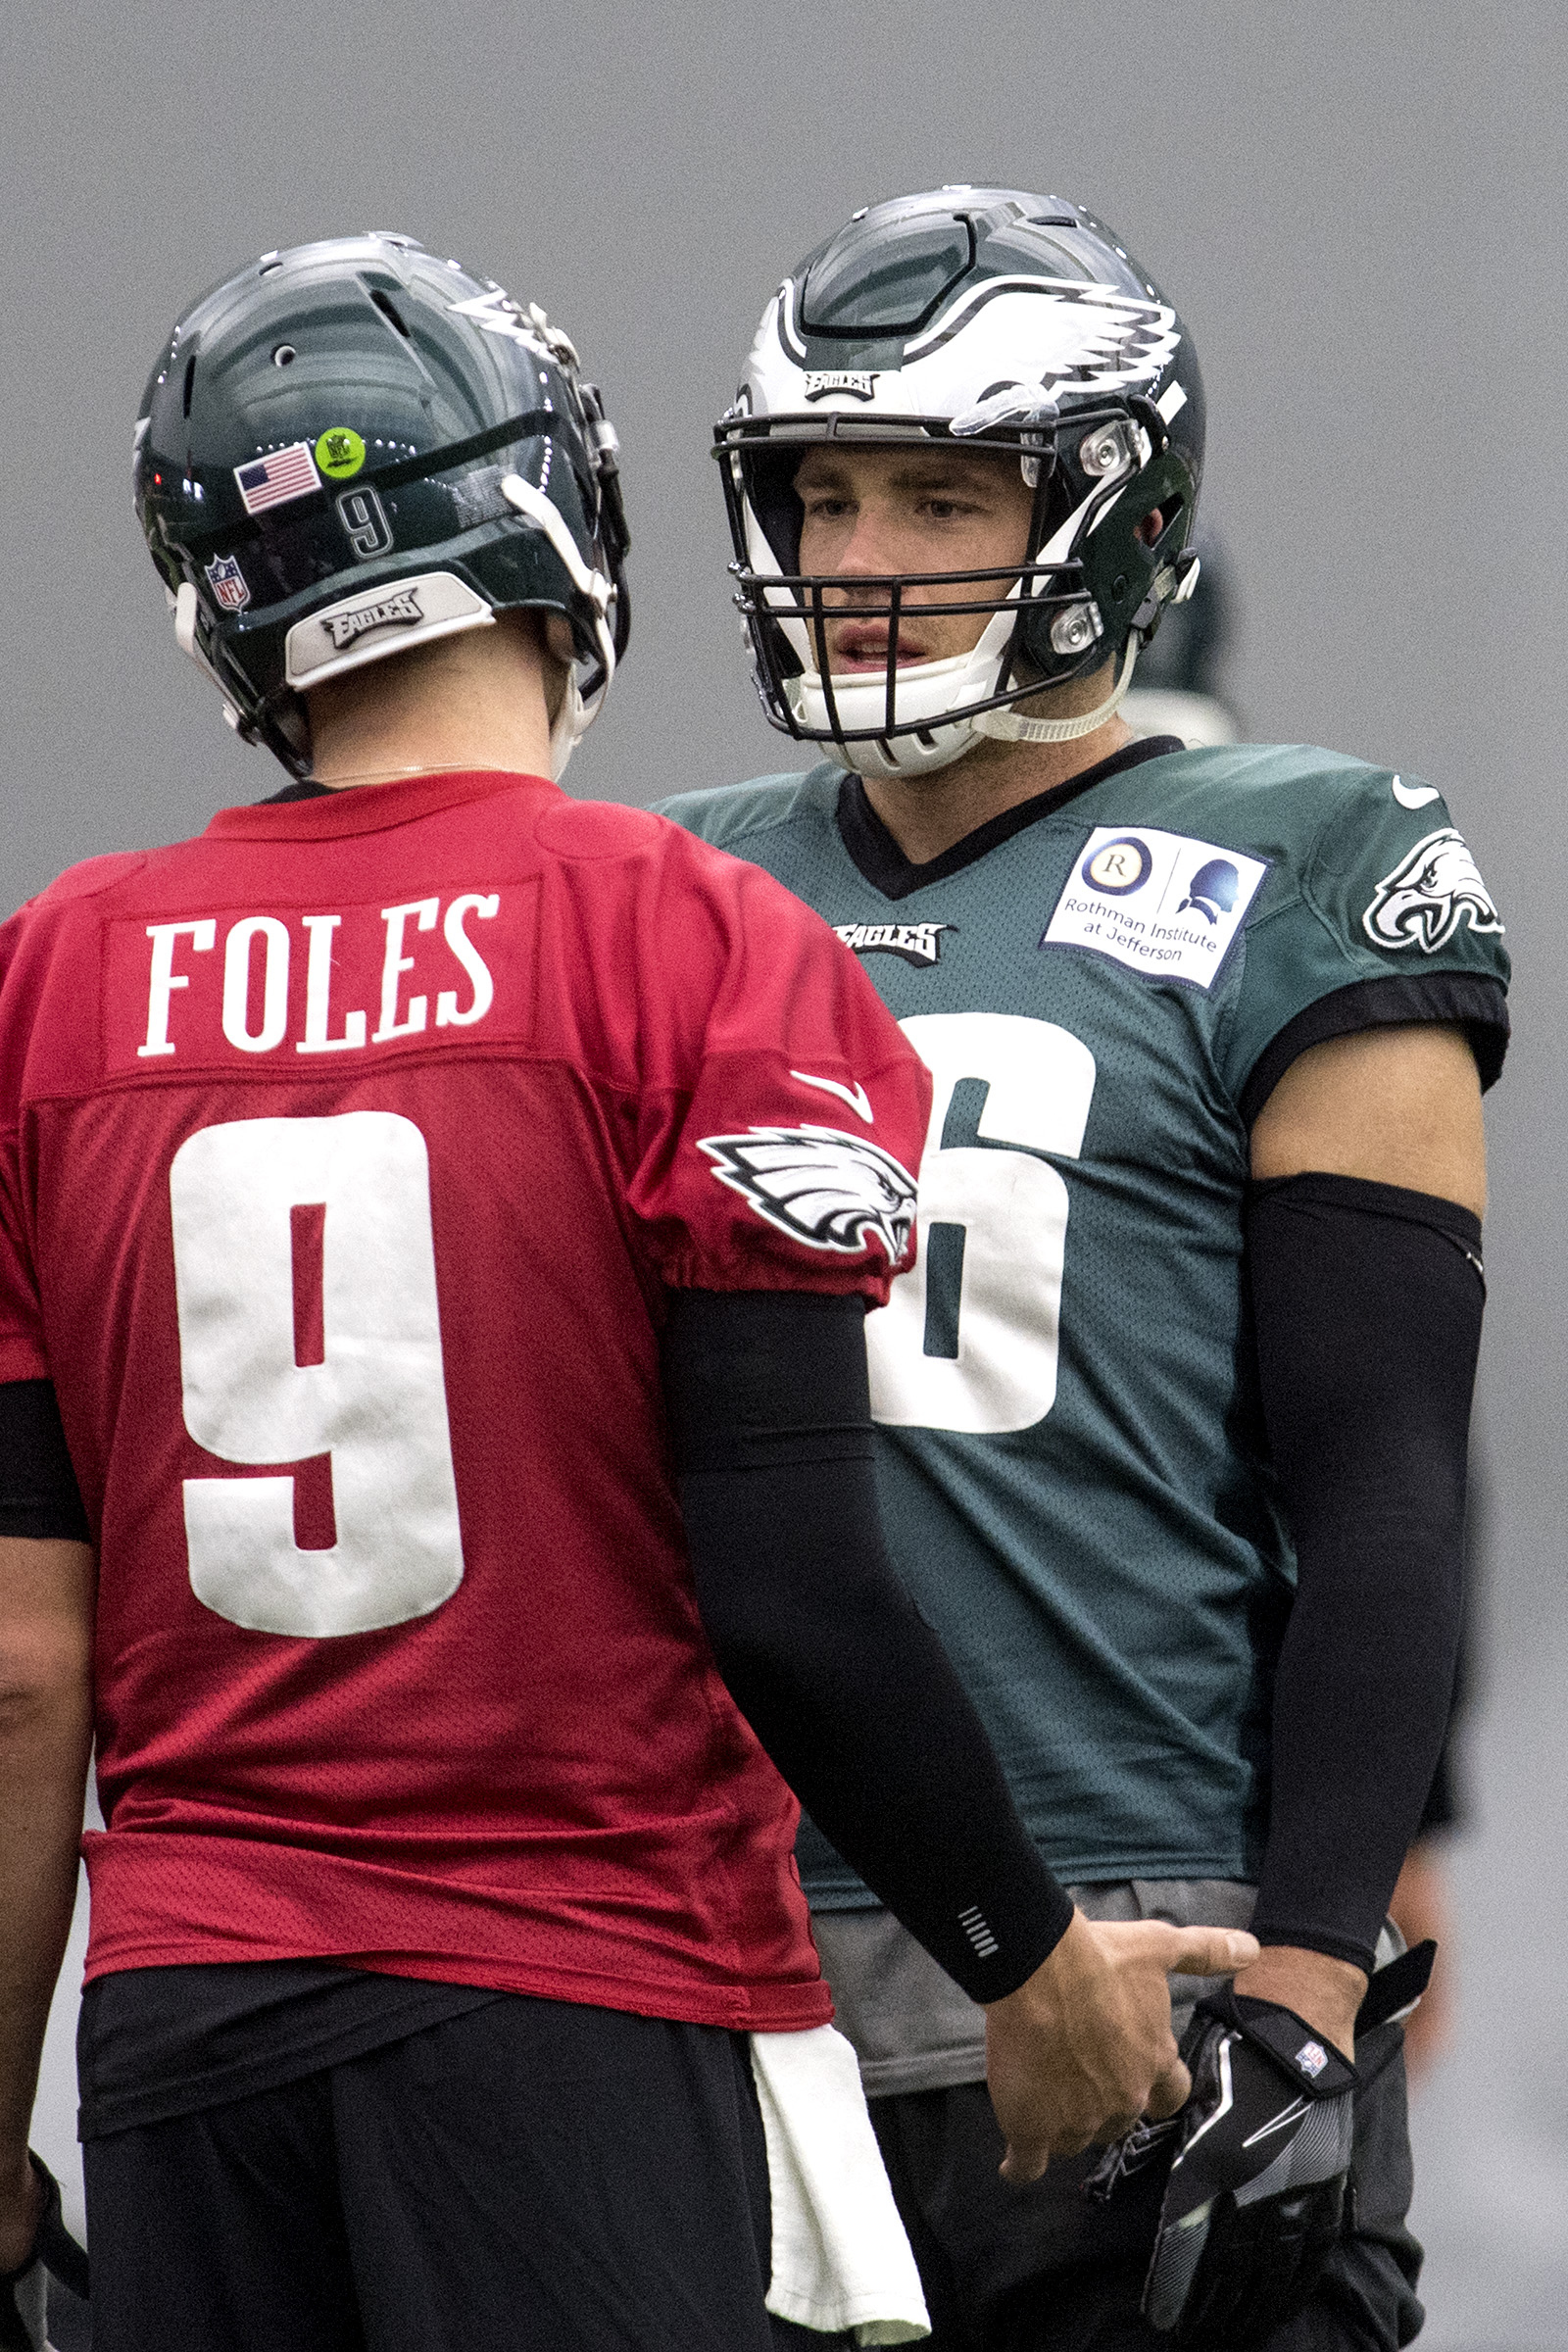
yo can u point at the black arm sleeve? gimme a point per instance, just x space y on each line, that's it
1367 1302
1446 1805
39 1492
842 1680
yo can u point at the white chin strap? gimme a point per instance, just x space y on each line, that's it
1011 726
575 716
571 723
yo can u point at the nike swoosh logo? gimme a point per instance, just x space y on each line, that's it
859 1101
1414 796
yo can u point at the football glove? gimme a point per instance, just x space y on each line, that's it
1256 2199
1260 2161
24 2291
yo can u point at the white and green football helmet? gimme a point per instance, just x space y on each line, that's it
1004 321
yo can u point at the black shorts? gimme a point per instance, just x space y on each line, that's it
531 2174
1042 2270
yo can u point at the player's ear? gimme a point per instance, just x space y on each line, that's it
1153 524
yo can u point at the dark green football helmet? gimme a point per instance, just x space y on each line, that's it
351 448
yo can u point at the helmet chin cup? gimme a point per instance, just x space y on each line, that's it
928 740
914 755
927 736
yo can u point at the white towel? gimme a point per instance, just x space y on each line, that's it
840 2260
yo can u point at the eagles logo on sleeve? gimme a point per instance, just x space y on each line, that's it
1429 893
826 1189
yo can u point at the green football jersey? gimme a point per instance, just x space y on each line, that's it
1105 986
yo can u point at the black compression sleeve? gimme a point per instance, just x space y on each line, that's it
842 1680
1367 1301
38 1491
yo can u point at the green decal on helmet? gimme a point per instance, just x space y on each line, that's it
483 471
1004 321
340 452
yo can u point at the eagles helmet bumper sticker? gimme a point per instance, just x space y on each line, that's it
1158 903
435 603
404 607
1429 893
823 1188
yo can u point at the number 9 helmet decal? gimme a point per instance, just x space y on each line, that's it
999 320
349 448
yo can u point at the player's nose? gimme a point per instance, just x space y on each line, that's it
869 552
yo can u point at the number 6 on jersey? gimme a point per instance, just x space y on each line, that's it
376 1400
969 1338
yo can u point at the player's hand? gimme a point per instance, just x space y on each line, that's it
1077 2054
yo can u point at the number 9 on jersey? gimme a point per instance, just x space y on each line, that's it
373 1399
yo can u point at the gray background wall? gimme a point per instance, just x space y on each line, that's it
1361 211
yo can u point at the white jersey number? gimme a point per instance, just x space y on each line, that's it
375 1401
969 1340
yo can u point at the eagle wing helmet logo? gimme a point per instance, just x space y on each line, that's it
1081 338
1429 893
1104 338
826 1189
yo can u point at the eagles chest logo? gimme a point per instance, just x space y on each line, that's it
1429 893
826 1189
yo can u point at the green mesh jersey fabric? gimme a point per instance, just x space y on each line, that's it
1070 1458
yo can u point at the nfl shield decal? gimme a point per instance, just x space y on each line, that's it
228 583
1158 903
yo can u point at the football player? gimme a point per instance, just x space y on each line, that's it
414 1193
1172 1409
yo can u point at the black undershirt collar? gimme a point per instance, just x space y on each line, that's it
304 788
885 867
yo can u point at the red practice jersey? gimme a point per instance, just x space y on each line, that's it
346 1156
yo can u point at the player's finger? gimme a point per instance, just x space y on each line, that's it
1170 2091
1209 1951
1024 2162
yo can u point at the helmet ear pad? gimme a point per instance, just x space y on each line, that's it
775 502
1120 567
